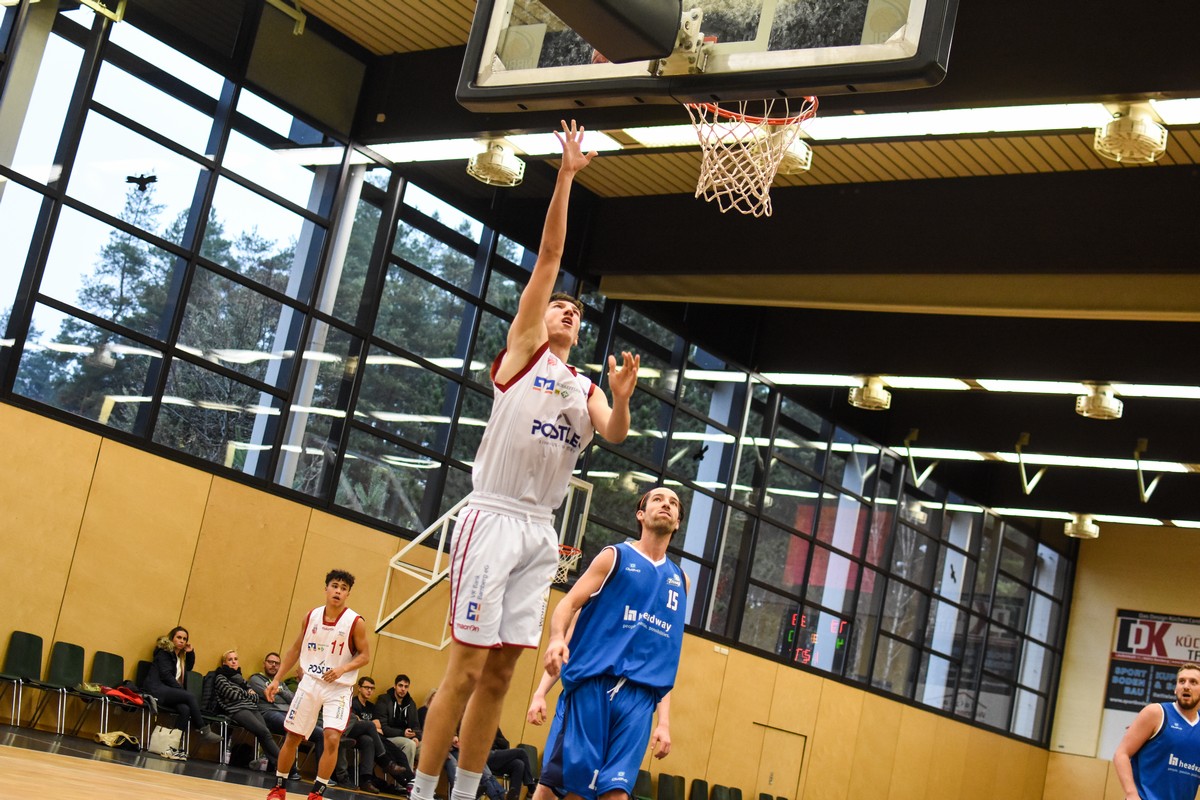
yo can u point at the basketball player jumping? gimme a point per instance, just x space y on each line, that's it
504 550
625 645
330 650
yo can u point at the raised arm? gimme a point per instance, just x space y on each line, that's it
528 330
613 422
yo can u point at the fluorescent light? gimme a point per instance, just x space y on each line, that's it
964 508
811 379
664 136
547 144
1150 390
1178 112
1186 523
1036 513
954 121
1088 462
439 150
1116 518
941 384
1033 387
318 156
941 454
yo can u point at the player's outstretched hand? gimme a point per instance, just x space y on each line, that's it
660 742
574 159
271 690
556 655
536 714
621 381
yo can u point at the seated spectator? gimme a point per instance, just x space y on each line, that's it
397 714
239 702
512 763
167 682
373 749
274 713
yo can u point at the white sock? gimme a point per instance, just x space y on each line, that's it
466 784
423 786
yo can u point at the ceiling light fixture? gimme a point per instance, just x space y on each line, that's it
497 165
1099 403
871 395
797 158
1081 526
1132 136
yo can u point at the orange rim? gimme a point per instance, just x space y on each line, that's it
567 550
806 113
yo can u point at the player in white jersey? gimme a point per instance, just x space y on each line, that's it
330 649
505 549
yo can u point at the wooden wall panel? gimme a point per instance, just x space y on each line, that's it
946 766
135 552
744 699
1071 777
828 773
243 574
44 480
916 745
875 745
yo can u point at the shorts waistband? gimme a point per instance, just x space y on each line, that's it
498 504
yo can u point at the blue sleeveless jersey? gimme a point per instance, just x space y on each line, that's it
1168 765
632 627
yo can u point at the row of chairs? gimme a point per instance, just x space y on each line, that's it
672 787
22 670
64 676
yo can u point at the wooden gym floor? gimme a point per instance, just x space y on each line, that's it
36 765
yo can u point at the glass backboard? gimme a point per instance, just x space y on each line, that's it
521 57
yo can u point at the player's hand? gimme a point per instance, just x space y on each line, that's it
557 654
332 674
378 725
536 714
621 381
271 690
574 159
660 742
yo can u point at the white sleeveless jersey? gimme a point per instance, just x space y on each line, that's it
328 646
538 427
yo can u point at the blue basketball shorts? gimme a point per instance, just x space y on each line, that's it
600 741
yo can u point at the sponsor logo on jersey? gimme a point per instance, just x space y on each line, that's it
473 611
551 360
543 384
556 432
674 581
462 626
1175 762
631 567
316 647
646 619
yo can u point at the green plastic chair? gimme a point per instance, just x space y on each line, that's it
699 790
642 788
63 675
670 787
22 667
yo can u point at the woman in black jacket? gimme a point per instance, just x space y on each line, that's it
167 681
240 703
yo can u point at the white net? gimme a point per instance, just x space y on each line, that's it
741 148
568 558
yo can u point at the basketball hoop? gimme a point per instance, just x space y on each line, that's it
741 152
568 557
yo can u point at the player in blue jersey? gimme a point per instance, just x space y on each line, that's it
621 665
1159 756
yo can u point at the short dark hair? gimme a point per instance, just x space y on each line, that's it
566 298
402 677
272 653
339 575
364 679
